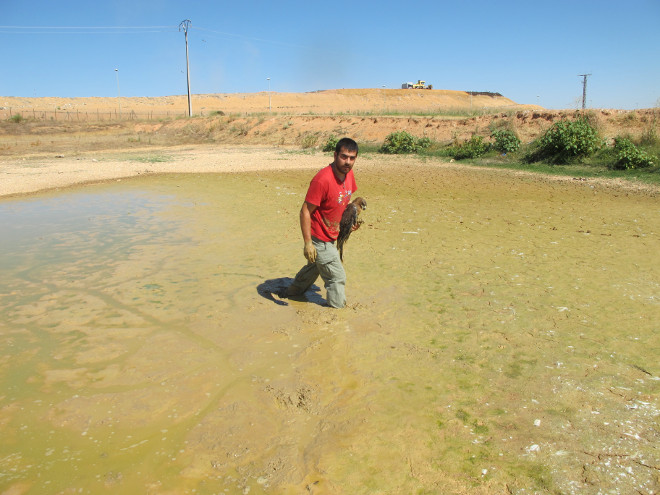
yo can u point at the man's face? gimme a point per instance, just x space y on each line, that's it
344 160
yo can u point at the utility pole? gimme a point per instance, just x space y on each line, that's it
118 93
184 26
584 89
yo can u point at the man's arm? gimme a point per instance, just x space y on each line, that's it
306 228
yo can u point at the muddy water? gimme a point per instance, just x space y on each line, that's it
501 337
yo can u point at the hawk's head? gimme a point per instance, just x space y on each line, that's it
360 203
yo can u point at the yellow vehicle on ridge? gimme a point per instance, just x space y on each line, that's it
418 85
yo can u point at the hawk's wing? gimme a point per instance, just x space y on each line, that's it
348 219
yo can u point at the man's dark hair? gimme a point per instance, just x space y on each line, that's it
348 144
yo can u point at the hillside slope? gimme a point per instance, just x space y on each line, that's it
319 102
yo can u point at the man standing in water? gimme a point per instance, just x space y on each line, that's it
329 192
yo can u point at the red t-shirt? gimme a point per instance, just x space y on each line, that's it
331 197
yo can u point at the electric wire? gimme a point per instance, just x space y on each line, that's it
88 30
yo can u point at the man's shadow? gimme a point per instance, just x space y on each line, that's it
270 289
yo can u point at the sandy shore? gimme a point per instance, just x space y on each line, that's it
30 174
40 172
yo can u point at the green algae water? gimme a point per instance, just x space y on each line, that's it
501 337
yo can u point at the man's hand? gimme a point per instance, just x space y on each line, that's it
310 252
356 226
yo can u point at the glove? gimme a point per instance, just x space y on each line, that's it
310 252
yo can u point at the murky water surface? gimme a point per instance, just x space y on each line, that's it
501 337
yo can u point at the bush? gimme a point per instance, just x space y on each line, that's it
568 139
472 148
16 119
423 143
505 141
331 143
399 142
403 142
630 156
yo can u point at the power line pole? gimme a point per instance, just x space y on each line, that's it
584 89
185 25
118 93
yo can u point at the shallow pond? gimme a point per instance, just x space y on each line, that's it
501 337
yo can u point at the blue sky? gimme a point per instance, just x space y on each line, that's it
530 51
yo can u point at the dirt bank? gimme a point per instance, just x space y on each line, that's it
67 126
307 131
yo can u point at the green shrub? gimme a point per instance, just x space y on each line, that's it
399 142
505 141
423 143
331 143
16 119
630 156
472 148
403 142
568 139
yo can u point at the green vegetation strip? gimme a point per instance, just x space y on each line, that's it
569 147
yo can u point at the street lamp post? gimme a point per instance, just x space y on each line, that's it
269 106
118 93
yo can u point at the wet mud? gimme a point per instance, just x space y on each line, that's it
501 337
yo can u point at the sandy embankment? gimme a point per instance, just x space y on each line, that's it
317 102
28 175
31 174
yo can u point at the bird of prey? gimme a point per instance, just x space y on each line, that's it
349 220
